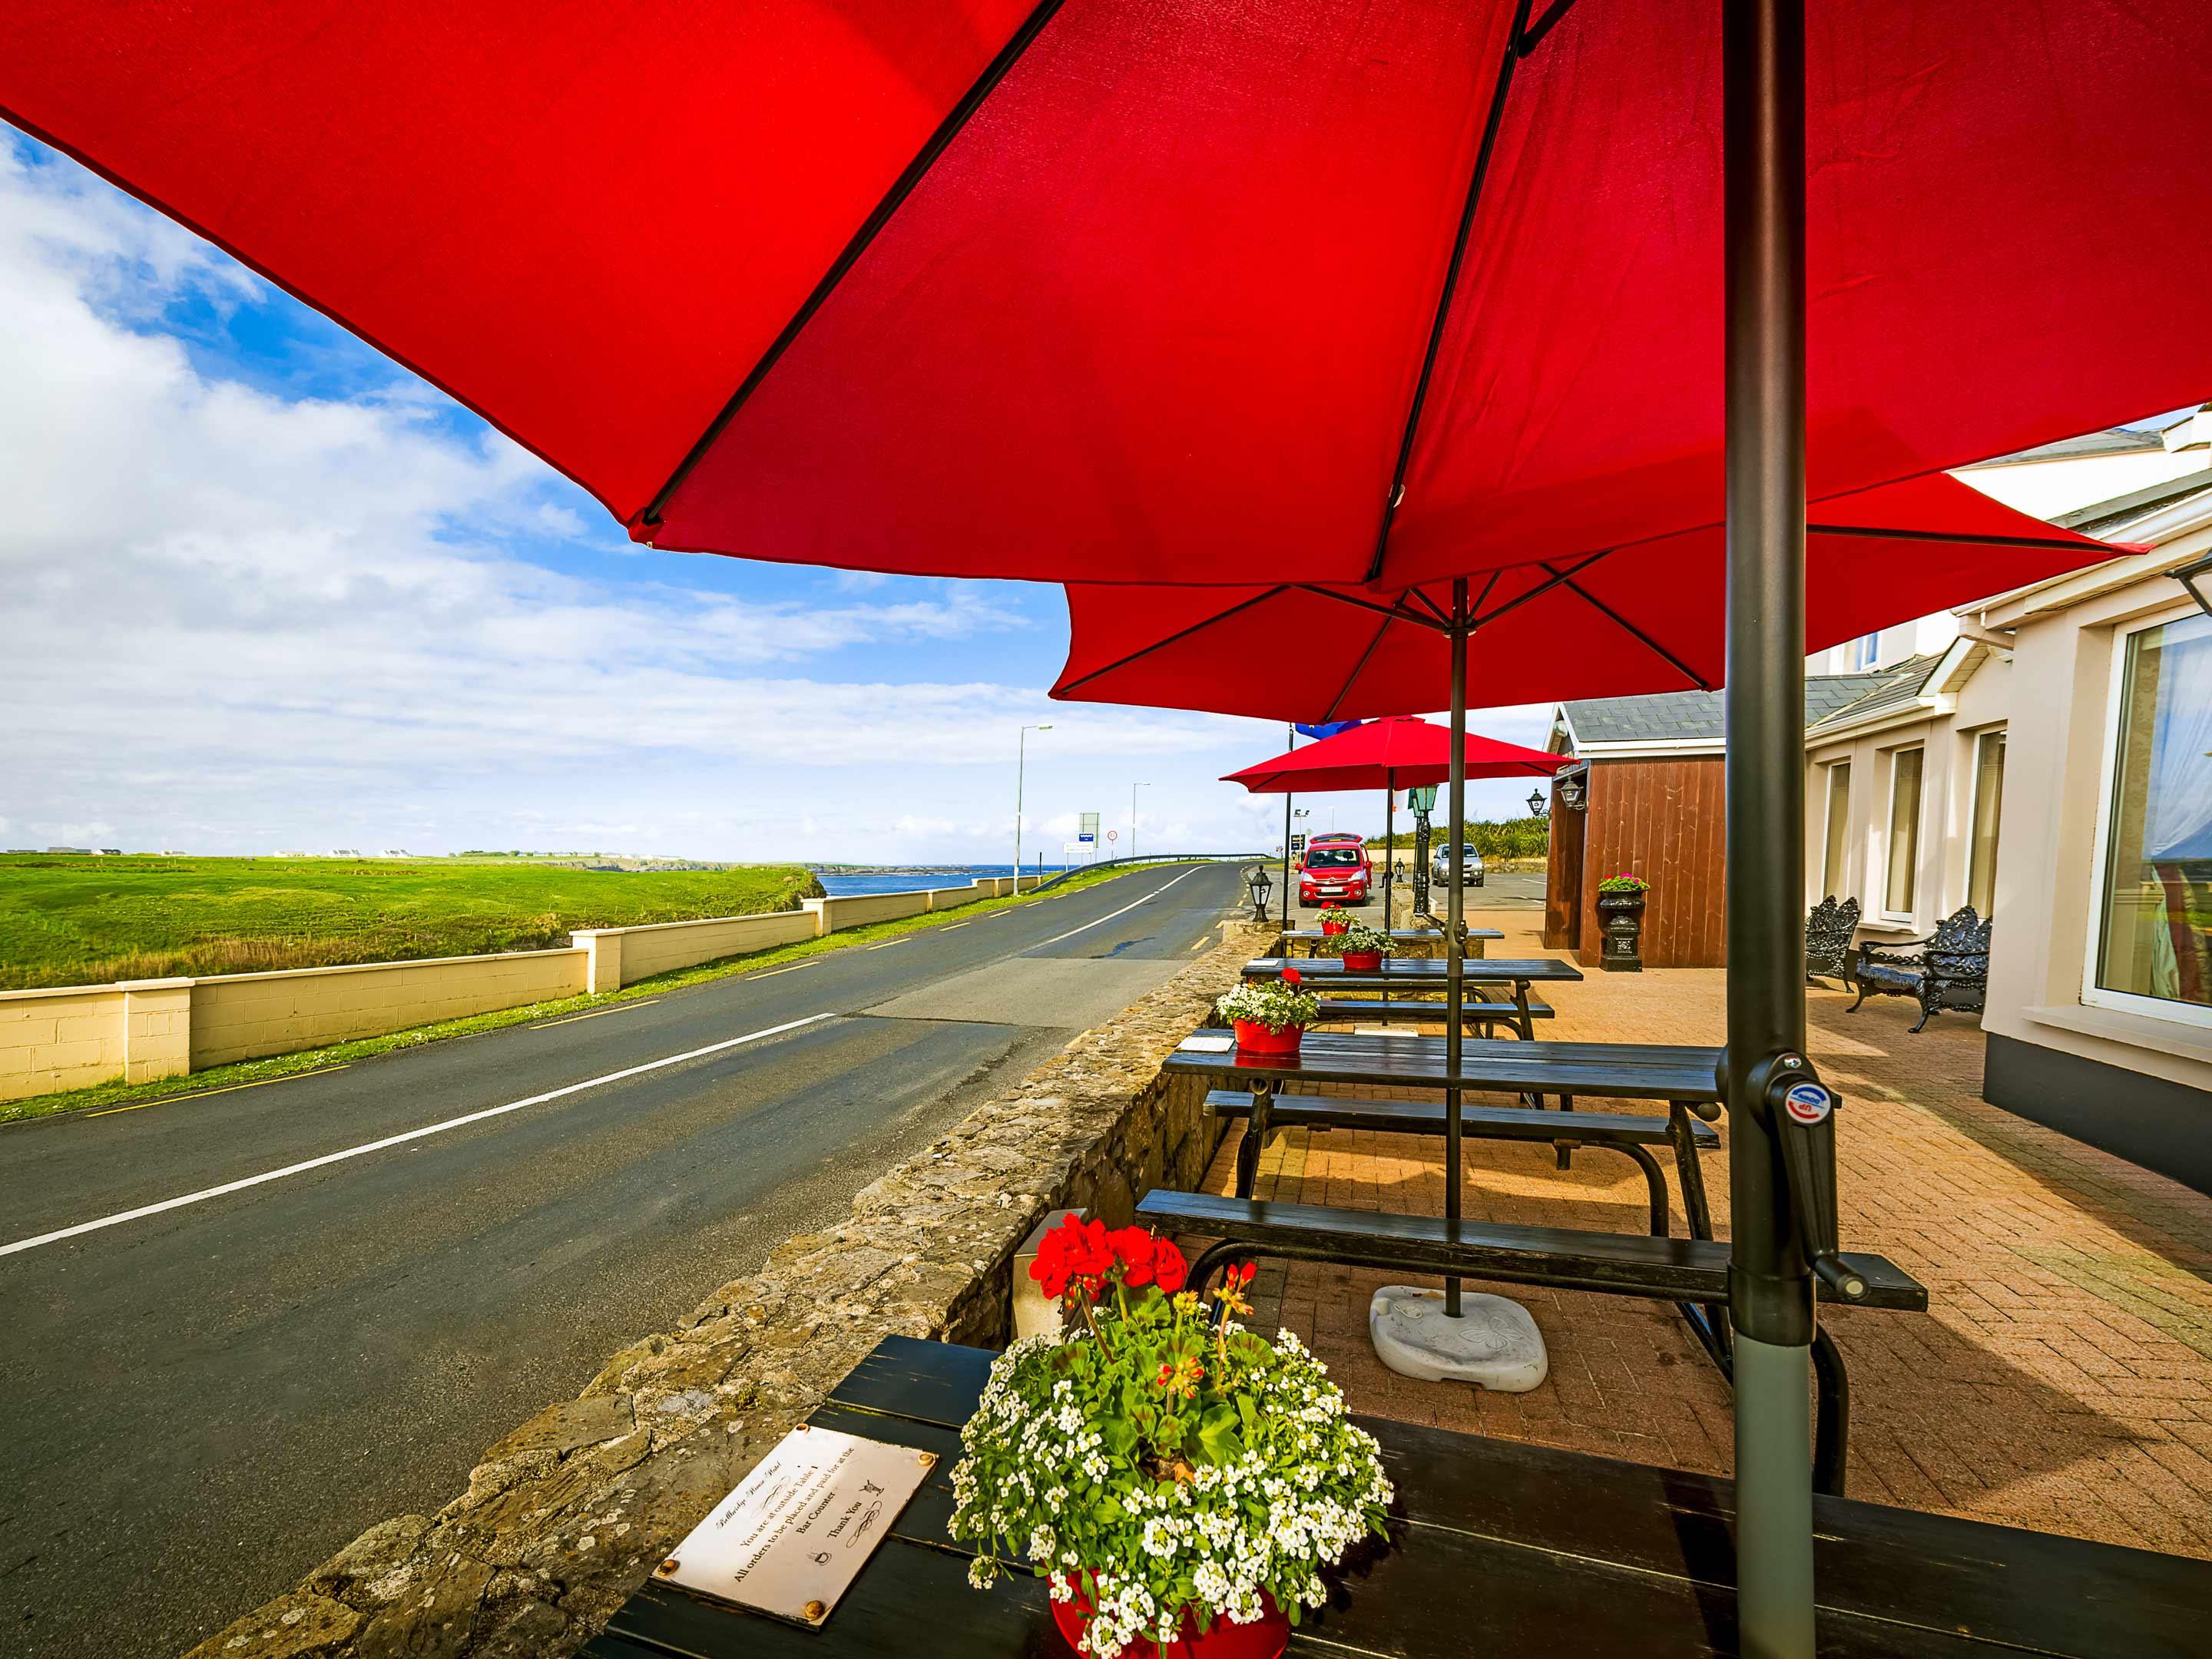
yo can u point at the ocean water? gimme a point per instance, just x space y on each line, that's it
836 884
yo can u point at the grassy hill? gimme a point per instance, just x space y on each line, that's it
75 920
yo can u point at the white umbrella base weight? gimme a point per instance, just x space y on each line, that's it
1493 1344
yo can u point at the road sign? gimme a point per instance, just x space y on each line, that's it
1297 845
1088 828
1113 835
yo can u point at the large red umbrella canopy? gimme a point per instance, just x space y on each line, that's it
1637 619
1401 752
1335 293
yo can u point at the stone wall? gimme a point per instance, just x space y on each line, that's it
564 1517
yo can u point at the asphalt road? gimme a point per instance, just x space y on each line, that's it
203 1402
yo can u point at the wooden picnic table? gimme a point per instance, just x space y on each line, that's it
1329 977
1496 1547
1680 1076
1476 937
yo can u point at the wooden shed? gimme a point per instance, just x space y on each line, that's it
1649 800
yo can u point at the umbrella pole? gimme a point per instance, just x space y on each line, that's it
1389 828
1454 912
1769 1289
1292 733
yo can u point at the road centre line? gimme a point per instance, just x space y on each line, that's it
400 1139
1123 911
955 927
597 1013
228 1088
772 972
888 943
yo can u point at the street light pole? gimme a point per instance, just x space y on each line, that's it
1133 815
1021 756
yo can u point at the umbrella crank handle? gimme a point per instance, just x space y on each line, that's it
1801 1113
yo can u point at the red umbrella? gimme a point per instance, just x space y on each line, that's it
1401 752
1020 288
1639 619
1268 292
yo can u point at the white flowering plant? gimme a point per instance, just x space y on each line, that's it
1357 938
1272 1003
1162 1469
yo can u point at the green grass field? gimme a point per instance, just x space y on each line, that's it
75 920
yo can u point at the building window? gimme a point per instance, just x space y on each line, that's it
2154 943
1903 862
1989 801
1832 876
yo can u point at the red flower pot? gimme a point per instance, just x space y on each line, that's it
1330 927
1254 1038
1266 1639
1362 962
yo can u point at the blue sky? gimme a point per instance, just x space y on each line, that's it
267 590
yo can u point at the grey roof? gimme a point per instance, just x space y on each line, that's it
2117 441
1895 687
1689 716
2119 510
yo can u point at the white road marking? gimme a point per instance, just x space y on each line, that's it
145 1210
955 927
1123 911
772 972
570 1019
888 943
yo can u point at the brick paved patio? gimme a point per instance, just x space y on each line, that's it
2062 1379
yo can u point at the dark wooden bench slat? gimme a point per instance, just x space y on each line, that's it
1427 1117
1401 1008
1672 1269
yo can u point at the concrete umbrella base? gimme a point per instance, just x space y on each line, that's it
1493 1344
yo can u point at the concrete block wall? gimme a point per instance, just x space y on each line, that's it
68 1037
858 909
623 956
245 1016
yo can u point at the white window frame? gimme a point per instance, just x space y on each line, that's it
1828 811
2094 995
1974 802
1889 830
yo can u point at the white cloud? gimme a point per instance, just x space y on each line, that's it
242 616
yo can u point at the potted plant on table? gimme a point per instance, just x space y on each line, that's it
1270 1016
1334 919
1178 1482
1362 947
1620 913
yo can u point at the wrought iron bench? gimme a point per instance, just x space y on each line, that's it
1828 932
1949 968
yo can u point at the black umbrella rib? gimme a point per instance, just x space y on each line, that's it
1554 578
1881 534
1359 668
1435 609
949 128
1533 36
1490 130
1651 644
1396 612
1204 623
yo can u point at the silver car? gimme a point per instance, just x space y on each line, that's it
1471 863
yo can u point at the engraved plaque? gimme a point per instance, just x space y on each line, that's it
801 1527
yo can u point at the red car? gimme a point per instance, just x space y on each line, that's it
1334 870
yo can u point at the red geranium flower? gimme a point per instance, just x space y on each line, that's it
1169 1267
1133 1246
1293 977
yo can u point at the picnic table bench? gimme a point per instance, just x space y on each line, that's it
1476 937
1327 976
1496 1547
1682 1077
